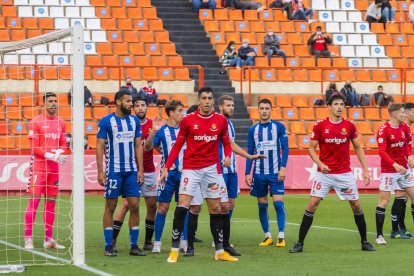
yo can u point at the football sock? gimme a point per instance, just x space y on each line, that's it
49 218
216 228
396 213
184 235
305 225
281 214
149 230
30 216
192 227
362 226
108 233
133 236
178 225
264 217
401 222
117 227
379 218
225 220
412 210
159 225
230 213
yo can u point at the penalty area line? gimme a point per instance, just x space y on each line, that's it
63 260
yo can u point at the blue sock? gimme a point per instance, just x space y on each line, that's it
133 235
159 226
281 215
264 217
184 235
230 213
108 236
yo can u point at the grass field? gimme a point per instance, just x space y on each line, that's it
332 246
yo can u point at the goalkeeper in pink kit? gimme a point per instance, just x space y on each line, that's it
47 134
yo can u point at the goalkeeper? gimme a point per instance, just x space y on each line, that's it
47 134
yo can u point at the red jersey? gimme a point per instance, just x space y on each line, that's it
334 139
150 91
146 129
394 146
319 43
46 134
201 134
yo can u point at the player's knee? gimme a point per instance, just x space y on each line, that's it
110 207
195 209
134 209
224 206
163 208
312 206
232 203
180 212
214 209
355 205
383 202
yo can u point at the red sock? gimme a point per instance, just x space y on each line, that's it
49 218
30 216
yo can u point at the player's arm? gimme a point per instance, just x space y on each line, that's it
139 157
239 151
149 143
225 139
100 149
361 157
39 150
407 149
313 145
284 143
382 151
249 162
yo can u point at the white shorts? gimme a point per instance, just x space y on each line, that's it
395 181
344 184
149 188
205 180
198 197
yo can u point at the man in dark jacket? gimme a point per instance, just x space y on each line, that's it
246 55
318 45
271 46
352 97
129 87
295 10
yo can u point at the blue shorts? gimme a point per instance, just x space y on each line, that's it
262 183
165 192
123 184
232 184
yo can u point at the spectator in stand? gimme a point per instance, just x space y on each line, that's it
129 87
387 11
411 13
149 93
374 13
244 5
271 46
204 4
295 10
331 90
318 45
246 55
277 4
351 96
229 58
381 98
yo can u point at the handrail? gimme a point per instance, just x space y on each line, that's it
403 85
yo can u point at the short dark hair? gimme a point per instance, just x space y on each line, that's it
139 99
192 109
319 27
225 98
47 95
335 97
205 89
380 86
395 107
408 106
150 81
265 101
172 106
120 94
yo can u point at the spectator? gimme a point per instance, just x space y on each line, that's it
246 55
295 10
387 11
271 46
149 93
351 96
318 45
244 5
374 13
277 4
381 98
87 96
85 143
411 13
129 87
68 140
229 58
331 90
205 4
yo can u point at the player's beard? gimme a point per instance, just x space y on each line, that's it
141 117
227 115
125 110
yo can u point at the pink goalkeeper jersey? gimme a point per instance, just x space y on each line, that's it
46 134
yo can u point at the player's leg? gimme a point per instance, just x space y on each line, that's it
386 184
119 218
402 201
361 224
35 190
232 185
192 224
225 218
149 192
398 214
277 190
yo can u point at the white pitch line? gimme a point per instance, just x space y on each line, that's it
45 255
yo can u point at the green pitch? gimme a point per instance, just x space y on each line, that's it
331 248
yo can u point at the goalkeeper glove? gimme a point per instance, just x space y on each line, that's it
56 156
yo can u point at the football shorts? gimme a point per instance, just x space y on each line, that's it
344 184
232 184
393 181
149 188
205 180
170 187
262 183
123 184
44 183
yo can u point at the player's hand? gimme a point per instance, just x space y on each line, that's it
282 174
58 157
257 156
140 177
248 180
226 162
101 179
324 168
400 169
410 161
164 175
366 177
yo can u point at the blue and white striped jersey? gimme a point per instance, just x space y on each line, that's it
232 135
119 135
165 137
271 140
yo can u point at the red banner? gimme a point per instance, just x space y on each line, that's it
14 172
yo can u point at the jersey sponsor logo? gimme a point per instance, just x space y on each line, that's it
343 131
347 191
126 136
213 127
20 174
380 140
205 138
335 140
213 186
52 135
267 145
45 126
195 126
399 144
326 130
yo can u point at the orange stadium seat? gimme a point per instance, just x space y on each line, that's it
182 74
268 75
300 75
384 114
364 128
7 142
307 114
303 141
175 61
23 142
168 49
91 127
355 113
4 128
372 113
149 73
14 112
266 15
182 98
92 141
165 74
370 141
19 128
65 112
283 101
87 113
298 127
321 113
292 142
276 114
254 114
290 113
30 112
300 101
284 75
